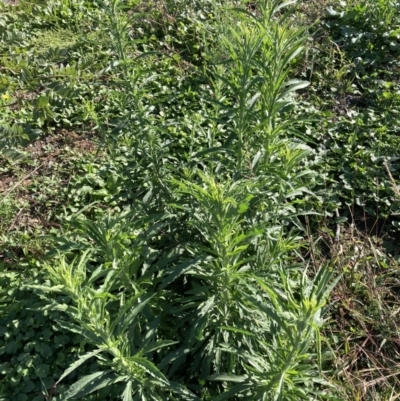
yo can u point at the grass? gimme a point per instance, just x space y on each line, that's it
364 324
199 200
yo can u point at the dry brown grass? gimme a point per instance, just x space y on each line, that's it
365 312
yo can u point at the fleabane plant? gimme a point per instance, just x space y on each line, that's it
257 53
201 293
251 318
107 320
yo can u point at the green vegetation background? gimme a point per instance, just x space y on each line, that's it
176 201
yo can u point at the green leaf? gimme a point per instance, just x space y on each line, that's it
183 392
236 330
88 384
294 85
173 356
179 270
43 101
252 101
128 319
284 4
273 315
78 363
42 370
150 368
219 149
229 378
157 345
127 394
230 394
44 288
78 330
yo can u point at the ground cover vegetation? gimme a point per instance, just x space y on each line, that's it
199 200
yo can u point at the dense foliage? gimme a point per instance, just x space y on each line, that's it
199 200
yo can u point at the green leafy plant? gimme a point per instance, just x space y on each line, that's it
182 232
243 311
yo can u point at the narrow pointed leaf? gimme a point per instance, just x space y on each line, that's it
284 4
229 378
179 270
150 368
129 318
78 363
230 394
88 384
127 394
253 100
183 392
236 330
157 345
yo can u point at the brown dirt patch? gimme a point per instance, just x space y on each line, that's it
52 146
52 163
